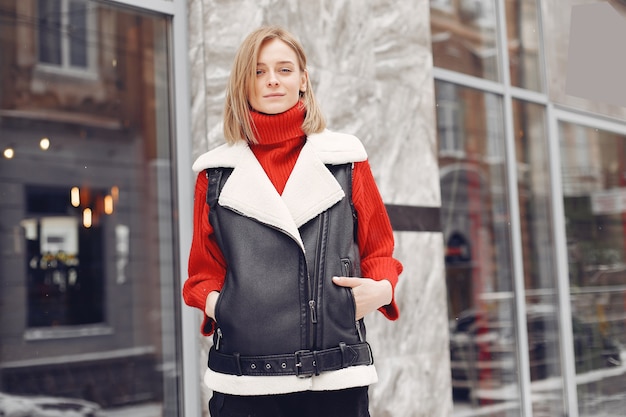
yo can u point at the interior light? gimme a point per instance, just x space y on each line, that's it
44 144
87 218
115 193
75 196
8 153
108 204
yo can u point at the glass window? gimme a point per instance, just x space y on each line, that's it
88 289
533 175
524 45
464 37
63 248
49 34
64 33
475 220
594 199
449 121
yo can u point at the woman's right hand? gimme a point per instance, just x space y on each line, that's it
211 301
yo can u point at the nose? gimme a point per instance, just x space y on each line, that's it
272 80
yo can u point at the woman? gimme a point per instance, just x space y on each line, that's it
292 247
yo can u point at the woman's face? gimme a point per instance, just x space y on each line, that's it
279 79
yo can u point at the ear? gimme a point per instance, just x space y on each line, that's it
304 81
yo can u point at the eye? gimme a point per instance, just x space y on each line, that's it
259 72
286 70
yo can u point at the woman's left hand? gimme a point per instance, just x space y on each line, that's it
369 294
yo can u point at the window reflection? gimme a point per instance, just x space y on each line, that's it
464 37
479 279
450 133
522 22
87 283
594 198
64 33
63 253
533 175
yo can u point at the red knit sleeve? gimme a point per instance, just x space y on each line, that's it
375 236
207 266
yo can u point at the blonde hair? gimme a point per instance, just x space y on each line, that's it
237 121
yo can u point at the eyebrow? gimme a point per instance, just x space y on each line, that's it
278 63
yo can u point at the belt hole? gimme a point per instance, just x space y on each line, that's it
253 366
283 365
268 366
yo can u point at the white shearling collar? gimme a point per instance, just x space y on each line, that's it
330 147
310 189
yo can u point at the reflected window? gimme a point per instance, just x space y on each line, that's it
495 130
524 44
449 120
464 37
64 30
64 249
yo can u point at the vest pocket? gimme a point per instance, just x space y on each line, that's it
346 267
218 304
348 271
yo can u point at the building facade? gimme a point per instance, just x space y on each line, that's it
505 191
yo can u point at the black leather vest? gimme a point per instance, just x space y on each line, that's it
277 298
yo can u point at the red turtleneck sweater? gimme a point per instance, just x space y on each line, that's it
280 139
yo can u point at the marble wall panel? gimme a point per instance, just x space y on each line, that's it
411 354
370 65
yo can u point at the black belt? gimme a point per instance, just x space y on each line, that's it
303 363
